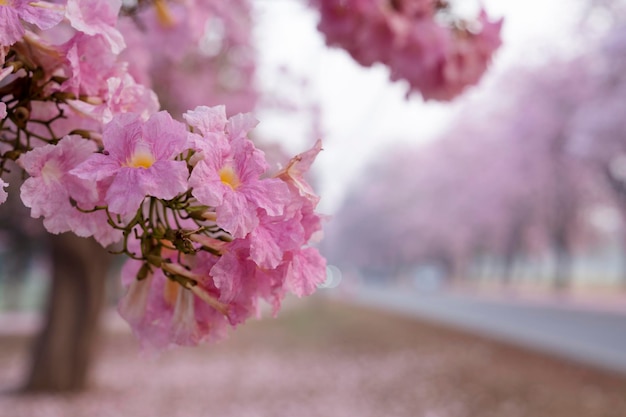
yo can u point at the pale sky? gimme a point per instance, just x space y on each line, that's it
362 111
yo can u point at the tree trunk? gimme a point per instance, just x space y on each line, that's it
508 264
622 282
452 267
14 266
513 245
63 349
562 268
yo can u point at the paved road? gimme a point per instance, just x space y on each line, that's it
596 338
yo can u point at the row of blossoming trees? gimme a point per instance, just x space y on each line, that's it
522 172
185 195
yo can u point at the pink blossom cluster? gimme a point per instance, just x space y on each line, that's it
209 233
243 234
208 230
77 62
420 41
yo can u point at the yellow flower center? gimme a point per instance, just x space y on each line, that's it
164 15
141 158
229 177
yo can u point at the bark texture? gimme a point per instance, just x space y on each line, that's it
64 348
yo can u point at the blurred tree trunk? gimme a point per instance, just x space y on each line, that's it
453 267
619 191
20 245
566 205
14 266
513 245
563 262
64 348
622 273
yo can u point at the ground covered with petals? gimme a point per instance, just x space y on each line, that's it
323 358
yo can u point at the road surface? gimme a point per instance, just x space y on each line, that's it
593 337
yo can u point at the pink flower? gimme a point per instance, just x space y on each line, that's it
207 121
229 180
3 110
148 306
91 63
229 175
241 283
49 189
162 313
42 14
298 166
273 236
307 270
123 95
3 193
43 53
231 270
97 17
139 159
303 198
215 128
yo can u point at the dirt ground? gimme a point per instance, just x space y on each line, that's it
322 358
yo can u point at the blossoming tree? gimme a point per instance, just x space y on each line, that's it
502 182
184 194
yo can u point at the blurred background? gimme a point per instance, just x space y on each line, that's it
476 248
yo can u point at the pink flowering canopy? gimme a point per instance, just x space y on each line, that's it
131 122
421 41
207 228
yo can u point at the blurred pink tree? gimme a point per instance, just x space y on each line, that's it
502 181
598 129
